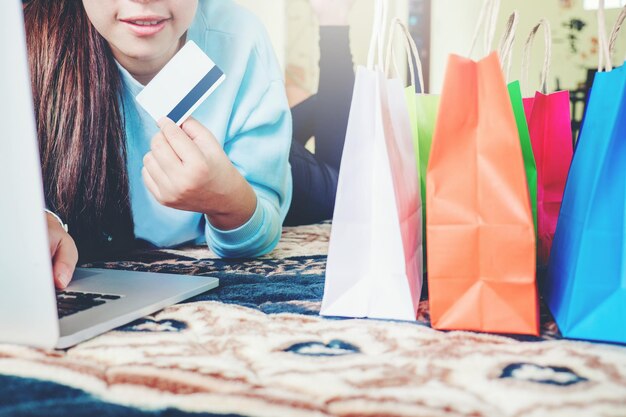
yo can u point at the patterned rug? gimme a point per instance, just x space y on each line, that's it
257 347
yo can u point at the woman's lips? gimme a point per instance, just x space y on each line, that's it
145 26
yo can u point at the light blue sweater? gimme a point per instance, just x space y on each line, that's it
248 114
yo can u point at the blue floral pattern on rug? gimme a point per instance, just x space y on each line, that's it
550 375
149 325
333 348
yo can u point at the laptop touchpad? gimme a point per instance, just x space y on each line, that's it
82 273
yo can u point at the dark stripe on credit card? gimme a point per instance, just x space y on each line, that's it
195 94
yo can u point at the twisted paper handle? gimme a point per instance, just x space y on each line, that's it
548 56
506 43
487 21
377 41
410 48
616 30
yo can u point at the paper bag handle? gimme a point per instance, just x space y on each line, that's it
548 56
487 21
607 47
616 30
377 41
604 57
411 51
390 59
506 43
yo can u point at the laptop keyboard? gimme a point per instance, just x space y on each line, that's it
72 302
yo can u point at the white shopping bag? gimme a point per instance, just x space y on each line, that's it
375 255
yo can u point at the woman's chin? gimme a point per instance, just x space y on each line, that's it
147 52
145 48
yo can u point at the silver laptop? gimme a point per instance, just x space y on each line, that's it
31 311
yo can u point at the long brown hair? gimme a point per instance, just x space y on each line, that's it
80 121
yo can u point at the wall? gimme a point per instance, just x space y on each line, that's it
273 14
453 27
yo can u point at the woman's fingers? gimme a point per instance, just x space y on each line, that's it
182 165
158 175
201 136
64 262
63 253
152 186
194 129
165 155
180 142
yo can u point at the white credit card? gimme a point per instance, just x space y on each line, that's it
188 79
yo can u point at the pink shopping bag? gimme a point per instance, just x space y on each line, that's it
550 128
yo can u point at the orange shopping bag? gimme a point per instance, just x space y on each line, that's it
480 231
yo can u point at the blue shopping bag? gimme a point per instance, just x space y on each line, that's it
586 283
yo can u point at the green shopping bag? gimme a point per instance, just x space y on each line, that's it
517 102
423 115
515 93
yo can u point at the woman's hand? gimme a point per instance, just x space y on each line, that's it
187 169
332 12
63 252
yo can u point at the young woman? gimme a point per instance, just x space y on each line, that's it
115 176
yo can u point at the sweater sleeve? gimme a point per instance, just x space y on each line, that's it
258 143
